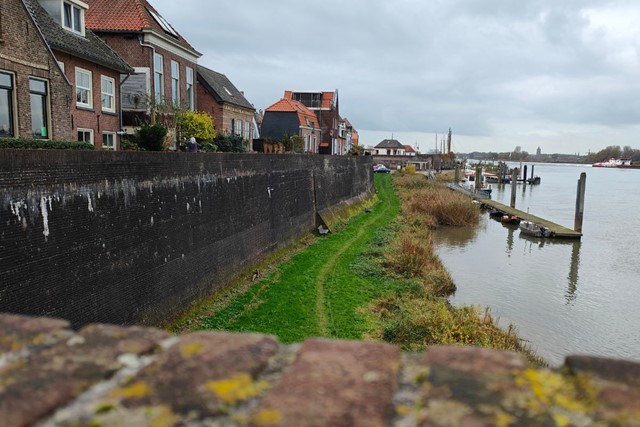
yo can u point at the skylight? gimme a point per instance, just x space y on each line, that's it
163 23
227 90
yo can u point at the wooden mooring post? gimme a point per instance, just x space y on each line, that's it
514 183
582 183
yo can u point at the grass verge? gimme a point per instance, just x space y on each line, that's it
378 278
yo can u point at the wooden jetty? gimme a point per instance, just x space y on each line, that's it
557 230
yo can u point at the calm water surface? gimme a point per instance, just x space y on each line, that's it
564 297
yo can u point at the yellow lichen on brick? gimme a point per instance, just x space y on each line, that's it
134 391
267 417
162 416
403 410
236 388
503 419
551 390
191 349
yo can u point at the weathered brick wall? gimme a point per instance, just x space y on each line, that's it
24 54
135 237
105 375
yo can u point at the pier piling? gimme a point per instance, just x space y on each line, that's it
514 183
582 183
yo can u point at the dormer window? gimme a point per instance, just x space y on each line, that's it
73 16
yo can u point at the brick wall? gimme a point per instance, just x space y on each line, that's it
125 237
95 118
223 113
24 54
104 375
129 48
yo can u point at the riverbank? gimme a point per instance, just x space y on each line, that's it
376 279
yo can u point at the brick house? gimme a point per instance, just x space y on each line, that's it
164 62
325 105
289 117
91 66
231 112
35 95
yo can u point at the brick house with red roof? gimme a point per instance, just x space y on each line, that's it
164 62
325 106
289 117
28 67
57 80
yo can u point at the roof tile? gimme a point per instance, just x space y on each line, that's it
127 15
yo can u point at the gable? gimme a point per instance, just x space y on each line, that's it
89 47
221 88
136 16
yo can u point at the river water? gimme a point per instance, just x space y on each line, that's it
564 297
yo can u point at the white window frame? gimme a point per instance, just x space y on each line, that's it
190 89
238 130
74 26
90 132
247 130
158 78
89 89
111 95
175 82
113 140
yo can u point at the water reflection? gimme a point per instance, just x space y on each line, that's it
457 236
570 295
574 264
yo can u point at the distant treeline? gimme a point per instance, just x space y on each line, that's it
517 156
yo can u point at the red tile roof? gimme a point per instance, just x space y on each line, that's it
290 106
126 15
409 149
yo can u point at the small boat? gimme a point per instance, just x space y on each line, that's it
532 229
534 180
613 163
495 213
510 219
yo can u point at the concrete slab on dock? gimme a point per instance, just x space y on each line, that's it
557 230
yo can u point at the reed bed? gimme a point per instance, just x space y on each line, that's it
419 314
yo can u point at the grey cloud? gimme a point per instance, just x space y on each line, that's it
419 66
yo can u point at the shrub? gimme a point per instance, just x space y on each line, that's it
151 137
230 143
197 124
44 144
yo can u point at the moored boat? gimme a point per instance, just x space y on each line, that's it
532 229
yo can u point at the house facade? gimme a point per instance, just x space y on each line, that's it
89 64
164 63
389 147
325 106
232 113
57 79
35 95
289 117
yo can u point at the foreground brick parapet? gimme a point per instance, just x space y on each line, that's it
105 375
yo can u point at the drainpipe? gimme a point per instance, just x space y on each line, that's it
122 132
153 50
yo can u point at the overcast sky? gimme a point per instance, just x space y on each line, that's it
560 74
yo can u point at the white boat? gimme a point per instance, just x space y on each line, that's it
532 229
614 163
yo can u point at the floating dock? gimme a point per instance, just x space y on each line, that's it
557 230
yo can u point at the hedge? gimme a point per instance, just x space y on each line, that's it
44 144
